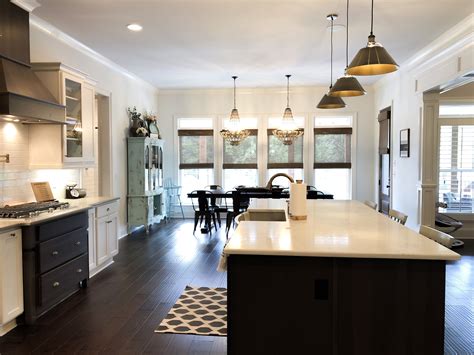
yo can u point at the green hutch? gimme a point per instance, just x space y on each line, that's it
146 200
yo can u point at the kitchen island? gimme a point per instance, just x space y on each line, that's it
348 280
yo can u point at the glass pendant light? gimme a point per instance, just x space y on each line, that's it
330 102
288 131
373 59
347 85
235 134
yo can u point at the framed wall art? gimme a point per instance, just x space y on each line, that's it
405 143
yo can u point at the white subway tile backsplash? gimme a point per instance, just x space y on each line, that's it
16 177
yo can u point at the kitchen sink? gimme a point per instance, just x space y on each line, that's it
262 215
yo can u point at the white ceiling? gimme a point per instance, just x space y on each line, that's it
202 43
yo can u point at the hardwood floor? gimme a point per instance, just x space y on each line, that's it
122 306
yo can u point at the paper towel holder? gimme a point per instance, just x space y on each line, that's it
293 217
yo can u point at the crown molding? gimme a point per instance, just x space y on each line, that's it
81 47
28 5
456 37
449 44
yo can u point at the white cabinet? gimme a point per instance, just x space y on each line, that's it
104 243
11 280
112 234
92 243
101 229
71 145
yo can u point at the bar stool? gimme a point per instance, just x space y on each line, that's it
398 216
371 204
438 236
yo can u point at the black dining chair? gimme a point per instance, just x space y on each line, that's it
216 202
203 209
239 204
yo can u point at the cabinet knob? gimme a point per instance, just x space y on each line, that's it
56 284
78 243
79 271
54 253
12 234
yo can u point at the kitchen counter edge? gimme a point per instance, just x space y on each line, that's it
76 206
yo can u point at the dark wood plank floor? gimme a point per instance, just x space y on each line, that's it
122 306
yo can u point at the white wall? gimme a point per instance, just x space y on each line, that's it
126 90
446 59
268 101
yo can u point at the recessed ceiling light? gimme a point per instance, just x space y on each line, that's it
135 27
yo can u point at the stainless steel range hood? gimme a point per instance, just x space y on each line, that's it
23 98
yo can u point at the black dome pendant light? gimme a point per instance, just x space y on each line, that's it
331 102
347 85
373 59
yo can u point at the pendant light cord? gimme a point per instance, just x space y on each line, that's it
288 91
332 23
347 34
372 20
234 77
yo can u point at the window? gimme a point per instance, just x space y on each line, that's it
332 156
282 158
456 109
196 154
456 167
240 161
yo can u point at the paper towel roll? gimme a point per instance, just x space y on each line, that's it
298 203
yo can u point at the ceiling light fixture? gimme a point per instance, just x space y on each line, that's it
235 134
374 58
288 131
330 102
347 85
135 27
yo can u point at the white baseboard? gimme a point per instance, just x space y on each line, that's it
5 328
100 268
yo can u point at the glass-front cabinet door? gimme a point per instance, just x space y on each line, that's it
79 99
74 138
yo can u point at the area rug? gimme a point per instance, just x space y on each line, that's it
199 311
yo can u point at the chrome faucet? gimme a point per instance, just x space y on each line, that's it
270 182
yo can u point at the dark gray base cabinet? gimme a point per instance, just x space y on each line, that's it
306 305
55 263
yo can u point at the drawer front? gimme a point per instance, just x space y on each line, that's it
57 251
62 226
63 281
107 209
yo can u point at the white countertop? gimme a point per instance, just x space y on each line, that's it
347 229
74 207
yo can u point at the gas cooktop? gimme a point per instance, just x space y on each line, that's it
31 209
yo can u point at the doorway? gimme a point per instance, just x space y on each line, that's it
384 152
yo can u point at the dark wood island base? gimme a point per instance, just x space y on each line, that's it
318 305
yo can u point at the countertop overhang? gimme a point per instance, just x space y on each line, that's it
76 206
343 229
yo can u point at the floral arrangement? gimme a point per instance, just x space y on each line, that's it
142 125
149 116
138 127
133 114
